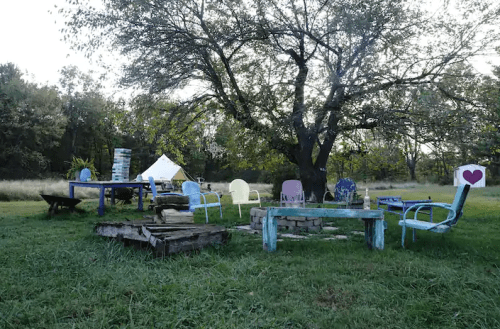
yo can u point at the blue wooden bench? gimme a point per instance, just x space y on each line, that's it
373 219
398 206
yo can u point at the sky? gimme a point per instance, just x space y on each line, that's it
30 38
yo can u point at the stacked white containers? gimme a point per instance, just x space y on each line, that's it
121 165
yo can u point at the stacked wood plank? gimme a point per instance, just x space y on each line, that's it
172 209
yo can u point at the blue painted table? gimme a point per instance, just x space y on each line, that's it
373 219
103 186
396 205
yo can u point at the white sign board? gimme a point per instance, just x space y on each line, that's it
474 175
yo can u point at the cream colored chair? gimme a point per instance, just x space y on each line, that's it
240 192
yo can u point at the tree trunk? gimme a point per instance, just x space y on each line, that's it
313 181
412 164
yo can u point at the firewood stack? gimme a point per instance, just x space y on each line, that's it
168 209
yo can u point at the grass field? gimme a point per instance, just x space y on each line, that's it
56 273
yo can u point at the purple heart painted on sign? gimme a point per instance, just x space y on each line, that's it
473 177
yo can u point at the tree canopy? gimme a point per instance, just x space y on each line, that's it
31 123
297 73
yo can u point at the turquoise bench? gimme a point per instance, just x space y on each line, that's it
373 219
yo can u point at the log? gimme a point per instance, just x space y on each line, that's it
174 216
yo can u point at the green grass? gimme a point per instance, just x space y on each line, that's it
56 273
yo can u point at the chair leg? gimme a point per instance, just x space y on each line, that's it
403 233
239 208
414 235
220 209
206 214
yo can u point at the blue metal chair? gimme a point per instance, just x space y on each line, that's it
192 190
455 211
345 189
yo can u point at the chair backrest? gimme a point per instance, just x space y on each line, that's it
192 189
152 186
85 174
240 190
459 201
291 191
344 189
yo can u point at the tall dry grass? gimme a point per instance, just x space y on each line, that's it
24 190
17 190
223 187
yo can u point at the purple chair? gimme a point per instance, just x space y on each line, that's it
292 194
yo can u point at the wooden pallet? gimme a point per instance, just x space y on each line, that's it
164 239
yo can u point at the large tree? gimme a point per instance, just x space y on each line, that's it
31 124
487 149
297 72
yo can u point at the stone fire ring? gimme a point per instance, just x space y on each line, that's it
296 224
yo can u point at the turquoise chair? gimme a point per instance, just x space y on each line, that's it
455 211
192 190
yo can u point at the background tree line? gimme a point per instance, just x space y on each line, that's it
43 127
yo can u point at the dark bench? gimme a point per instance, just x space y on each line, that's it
59 201
398 206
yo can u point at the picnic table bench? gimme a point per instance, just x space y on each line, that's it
396 205
373 219
58 201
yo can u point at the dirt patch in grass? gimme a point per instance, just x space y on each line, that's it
336 299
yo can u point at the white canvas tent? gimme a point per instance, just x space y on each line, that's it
164 169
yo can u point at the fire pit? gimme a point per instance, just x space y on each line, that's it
296 224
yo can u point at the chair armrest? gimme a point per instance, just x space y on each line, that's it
417 207
199 194
212 192
324 195
258 195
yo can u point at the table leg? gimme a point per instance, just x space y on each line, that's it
369 232
71 191
269 233
100 210
139 206
380 227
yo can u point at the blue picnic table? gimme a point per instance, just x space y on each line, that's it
102 186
